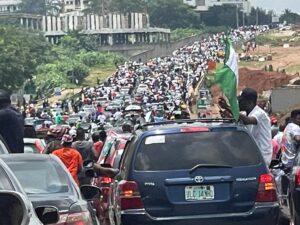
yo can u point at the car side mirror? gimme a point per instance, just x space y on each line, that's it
88 164
47 214
14 208
90 192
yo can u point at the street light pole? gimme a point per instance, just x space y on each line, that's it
256 16
237 16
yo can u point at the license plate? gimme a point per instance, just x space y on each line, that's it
198 193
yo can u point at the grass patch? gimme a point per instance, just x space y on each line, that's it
269 39
102 72
293 69
182 33
253 64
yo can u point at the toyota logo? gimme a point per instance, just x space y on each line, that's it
199 179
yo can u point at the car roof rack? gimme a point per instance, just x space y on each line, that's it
190 121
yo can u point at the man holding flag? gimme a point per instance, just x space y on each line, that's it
256 119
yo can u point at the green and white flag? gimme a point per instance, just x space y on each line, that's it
228 77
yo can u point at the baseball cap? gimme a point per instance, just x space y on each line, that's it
248 94
4 97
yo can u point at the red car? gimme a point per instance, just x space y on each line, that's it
34 145
110 156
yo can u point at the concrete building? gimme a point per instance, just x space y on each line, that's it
74 5
7 6
204 5
109 30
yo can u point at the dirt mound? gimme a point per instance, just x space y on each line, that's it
261 80
257 79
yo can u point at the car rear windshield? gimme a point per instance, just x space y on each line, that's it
41 177
183 151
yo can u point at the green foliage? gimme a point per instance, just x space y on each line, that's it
226 15
215 29
126 6
21 52
92 59
69 64
173 14
270 40
289 17
41 7
182 33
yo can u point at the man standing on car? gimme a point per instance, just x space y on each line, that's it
11 124
257 121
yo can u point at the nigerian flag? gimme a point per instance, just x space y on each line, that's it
228 76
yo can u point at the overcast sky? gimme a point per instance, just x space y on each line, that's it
277 5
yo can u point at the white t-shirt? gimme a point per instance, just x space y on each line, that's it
289 144
262 133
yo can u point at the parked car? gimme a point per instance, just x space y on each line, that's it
3 146
14 198
46 181
193 172
34 145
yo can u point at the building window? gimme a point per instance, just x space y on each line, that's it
200 2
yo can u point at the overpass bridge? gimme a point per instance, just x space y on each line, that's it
109 30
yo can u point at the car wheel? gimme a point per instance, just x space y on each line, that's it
295 220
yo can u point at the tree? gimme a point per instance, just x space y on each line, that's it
41 7
99 7
127 6
172 14
289 17
21 52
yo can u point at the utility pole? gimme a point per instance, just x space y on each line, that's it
243 18
256 16
237 16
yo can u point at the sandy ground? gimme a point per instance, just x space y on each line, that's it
282 57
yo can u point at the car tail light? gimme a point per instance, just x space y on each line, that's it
194 129
266 189
298 177
82 218
106 180
130 196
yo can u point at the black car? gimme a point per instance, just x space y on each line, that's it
46 181
207 172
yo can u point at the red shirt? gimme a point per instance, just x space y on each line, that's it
72 160
98 147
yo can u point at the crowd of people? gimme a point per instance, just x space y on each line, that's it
160 89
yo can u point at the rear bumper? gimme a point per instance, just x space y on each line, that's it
261 214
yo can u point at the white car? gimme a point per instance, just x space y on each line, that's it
3 146
19 210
